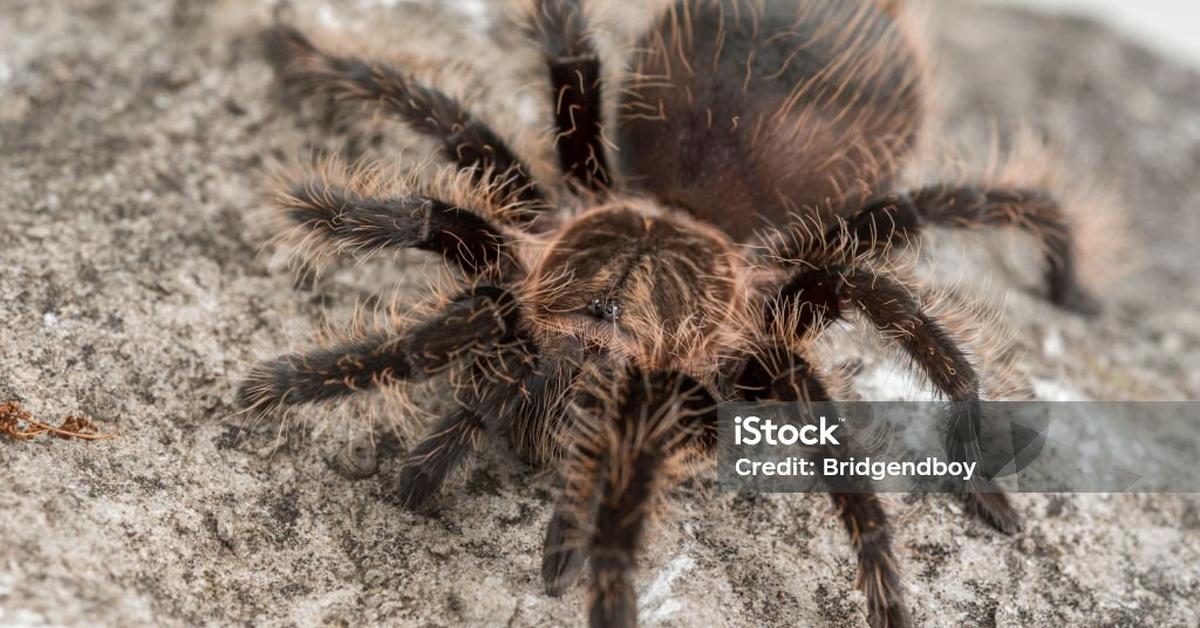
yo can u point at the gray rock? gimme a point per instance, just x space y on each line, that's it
132 138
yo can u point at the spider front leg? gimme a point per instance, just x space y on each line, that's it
474 326
631 443
777 374
334 216
497 394
450 442
466 140
475 321
824 295
562 550
575 75
891 219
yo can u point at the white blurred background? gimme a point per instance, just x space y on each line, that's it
1168 26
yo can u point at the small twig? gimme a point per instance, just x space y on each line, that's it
69 428
15 432
12 415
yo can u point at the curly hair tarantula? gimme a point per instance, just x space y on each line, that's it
752 203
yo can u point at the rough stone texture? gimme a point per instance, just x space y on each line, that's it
132 138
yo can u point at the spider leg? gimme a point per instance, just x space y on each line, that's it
824 294
331 216
466 140
574 69
878 577
623 459
889 219
563 546
476 320
454 438
562 552
498 394
777 374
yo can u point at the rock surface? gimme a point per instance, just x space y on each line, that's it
133 135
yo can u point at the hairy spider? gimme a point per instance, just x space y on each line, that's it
752 203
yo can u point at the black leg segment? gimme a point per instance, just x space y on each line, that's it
575 75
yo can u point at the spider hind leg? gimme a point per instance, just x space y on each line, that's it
890 219
575 76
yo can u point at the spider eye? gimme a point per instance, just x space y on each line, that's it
604 309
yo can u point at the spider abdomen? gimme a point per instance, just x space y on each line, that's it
741 112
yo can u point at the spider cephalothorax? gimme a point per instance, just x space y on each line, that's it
753 203
638 282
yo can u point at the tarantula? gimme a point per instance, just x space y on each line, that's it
748 203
